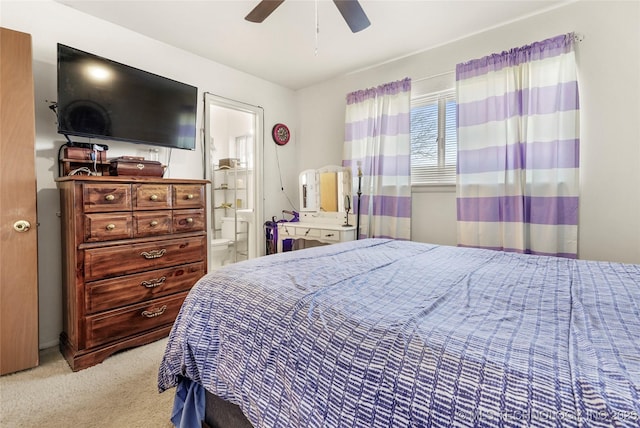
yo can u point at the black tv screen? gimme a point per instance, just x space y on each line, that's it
100 98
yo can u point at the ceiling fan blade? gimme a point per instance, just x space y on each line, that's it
352 13
263 10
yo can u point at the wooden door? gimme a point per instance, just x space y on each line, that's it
18 243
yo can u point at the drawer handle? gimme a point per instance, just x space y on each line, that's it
189 220
155 312
111 226
329 235
109 197
154 223
307 232
190 196
154 282
153 254
153 197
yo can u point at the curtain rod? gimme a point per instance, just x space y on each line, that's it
577 37
433 76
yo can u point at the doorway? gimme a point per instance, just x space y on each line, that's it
233 143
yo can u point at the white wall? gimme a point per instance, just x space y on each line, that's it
609 82
50 23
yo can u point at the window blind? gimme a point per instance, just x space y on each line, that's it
434 138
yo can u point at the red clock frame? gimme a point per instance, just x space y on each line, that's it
280 134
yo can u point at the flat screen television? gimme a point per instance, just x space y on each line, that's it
101 98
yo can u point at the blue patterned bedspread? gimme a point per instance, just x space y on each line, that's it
382 333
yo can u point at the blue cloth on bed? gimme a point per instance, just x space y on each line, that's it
381 333
188 404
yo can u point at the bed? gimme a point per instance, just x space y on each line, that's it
382 333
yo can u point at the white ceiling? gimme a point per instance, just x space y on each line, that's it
282 49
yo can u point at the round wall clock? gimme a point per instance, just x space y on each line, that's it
280 134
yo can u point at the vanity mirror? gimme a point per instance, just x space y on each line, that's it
327 189
325 203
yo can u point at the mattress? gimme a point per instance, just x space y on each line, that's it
380 333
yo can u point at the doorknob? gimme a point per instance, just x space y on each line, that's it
22 226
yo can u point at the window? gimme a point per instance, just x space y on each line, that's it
434 138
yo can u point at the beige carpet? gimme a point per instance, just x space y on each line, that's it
119 392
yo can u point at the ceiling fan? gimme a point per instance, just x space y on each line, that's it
350 9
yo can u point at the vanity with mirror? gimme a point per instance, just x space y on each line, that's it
325 208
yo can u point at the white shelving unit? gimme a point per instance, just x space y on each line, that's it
233 196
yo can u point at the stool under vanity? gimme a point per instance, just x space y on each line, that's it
325 208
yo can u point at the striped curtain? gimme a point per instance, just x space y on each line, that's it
518 150
378 142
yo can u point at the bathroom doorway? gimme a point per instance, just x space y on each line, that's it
233 136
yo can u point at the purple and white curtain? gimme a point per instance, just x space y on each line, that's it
518 150
378 140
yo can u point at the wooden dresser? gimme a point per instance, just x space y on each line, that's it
132 249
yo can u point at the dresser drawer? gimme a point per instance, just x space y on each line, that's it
330 235
188 196
150 223
188 221
126 290
116 260
106 197
152 196
107 227
286 231
308 232
114 325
